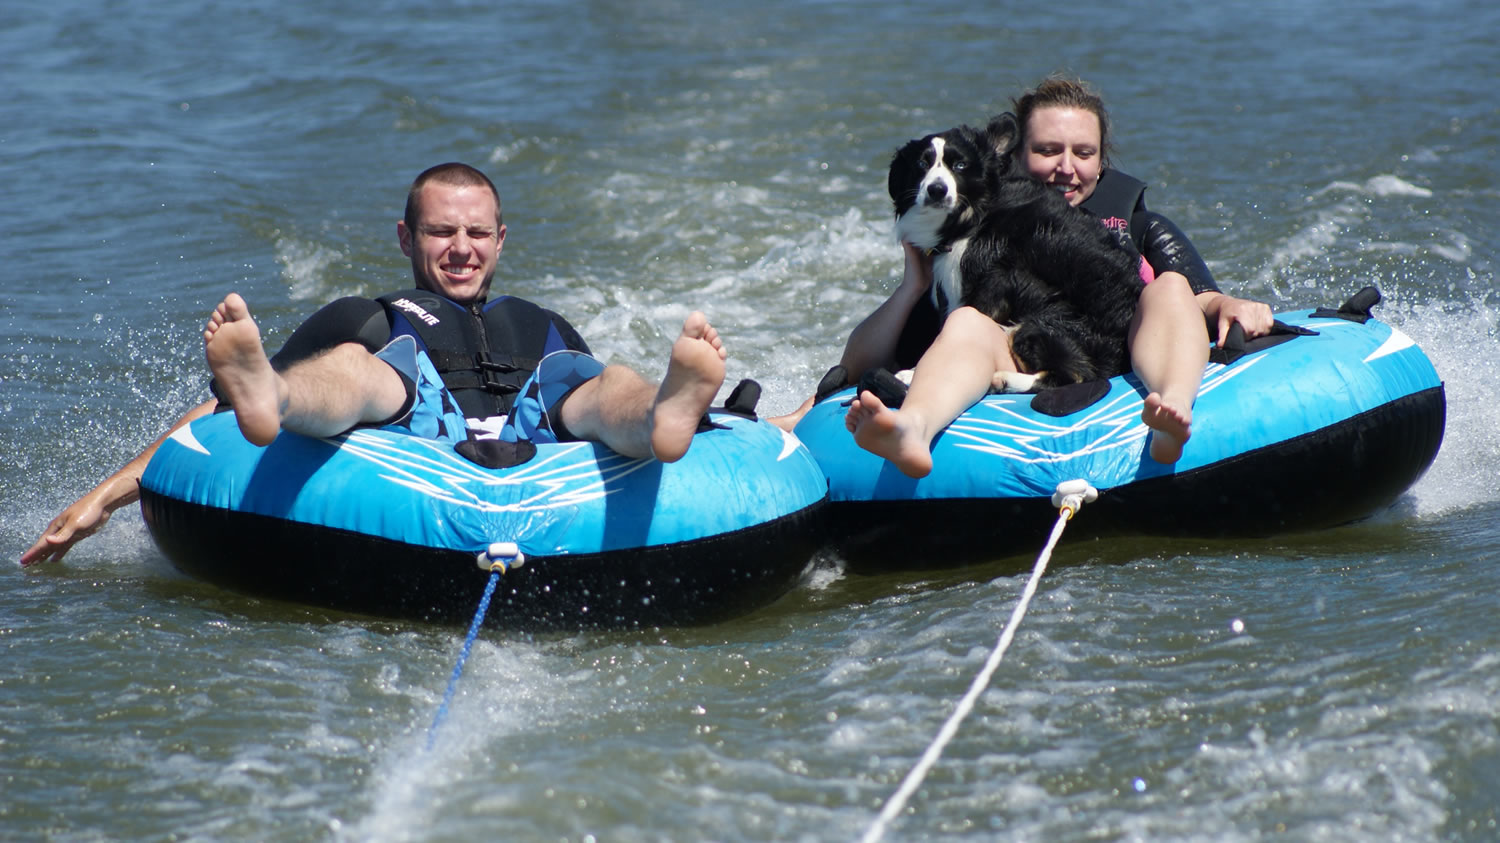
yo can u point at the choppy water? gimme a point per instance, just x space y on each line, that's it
660 156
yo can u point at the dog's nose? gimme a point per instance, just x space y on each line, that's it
937 191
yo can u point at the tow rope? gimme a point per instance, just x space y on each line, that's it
1070 496
497 559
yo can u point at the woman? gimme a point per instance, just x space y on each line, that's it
1064 135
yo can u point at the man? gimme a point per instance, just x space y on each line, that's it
334 374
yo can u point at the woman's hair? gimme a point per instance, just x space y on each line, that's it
1058 91
452 174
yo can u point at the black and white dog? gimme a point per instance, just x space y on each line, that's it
1013 249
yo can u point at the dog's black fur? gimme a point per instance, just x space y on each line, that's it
1013 249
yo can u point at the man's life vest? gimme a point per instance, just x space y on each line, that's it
484 352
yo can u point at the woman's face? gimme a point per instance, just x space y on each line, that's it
1062 150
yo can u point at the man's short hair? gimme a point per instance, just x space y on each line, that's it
453 174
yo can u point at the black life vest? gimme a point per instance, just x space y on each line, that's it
1115 200
484 352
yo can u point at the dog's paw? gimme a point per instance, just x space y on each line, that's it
1014 382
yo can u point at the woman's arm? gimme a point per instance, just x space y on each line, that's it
1168 249
1224 310
873 342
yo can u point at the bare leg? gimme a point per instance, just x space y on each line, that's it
231 342
323 396
627 413
903 436
694 374
953 374
789 421
1168 349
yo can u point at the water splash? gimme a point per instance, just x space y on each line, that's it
1455 336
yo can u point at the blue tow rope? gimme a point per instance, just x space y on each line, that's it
498 559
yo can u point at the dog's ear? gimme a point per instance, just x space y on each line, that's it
894 178
901 180
1003 132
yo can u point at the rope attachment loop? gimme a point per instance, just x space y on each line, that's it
1071 495
500 557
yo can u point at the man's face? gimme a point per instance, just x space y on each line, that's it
457 241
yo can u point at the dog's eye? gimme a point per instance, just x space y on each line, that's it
958 166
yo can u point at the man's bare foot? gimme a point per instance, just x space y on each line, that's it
893 434
231 341
694 374
789 421
1170 426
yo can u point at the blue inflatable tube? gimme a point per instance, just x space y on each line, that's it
385 523
1321 425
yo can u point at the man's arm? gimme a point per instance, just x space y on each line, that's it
86 515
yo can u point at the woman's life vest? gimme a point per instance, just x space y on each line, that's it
1115 201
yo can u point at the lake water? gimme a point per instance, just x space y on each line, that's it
661 156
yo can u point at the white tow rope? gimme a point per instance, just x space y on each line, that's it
1069 498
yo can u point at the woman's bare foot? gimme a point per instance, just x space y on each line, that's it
231 341
893 434
694 374
1171 428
